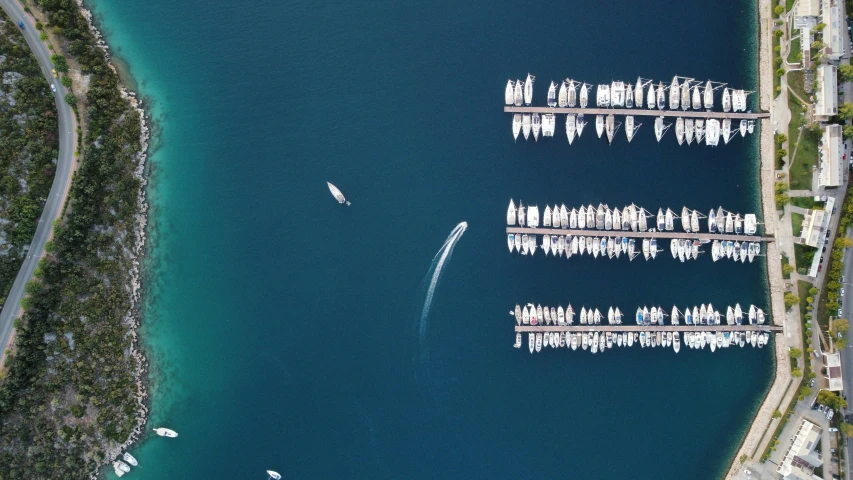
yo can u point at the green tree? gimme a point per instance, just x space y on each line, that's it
59 63
71 99
780 72
831 400
777 413
791 299
787 269
845 110
65 81
781 152
779 10
778 33
43 36
846 429
819 27
840 326
795 353
845 72
813 291
844 242
797 372
781 138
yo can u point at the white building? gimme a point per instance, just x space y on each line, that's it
815 229
833 371
800 460
806 13
827 92
831 164
833 33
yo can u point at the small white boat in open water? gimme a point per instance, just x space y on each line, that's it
165 432
337 194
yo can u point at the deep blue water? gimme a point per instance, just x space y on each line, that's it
285 329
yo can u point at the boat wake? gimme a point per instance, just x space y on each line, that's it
434 274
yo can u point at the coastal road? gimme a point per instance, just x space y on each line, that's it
847 352
61 180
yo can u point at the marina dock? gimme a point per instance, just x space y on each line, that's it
638 112
635 234
646 328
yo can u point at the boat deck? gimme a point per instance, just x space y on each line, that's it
633 234
647 328
638 112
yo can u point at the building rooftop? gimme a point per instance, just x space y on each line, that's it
833 370
797 460
827 91
833 33
806 8
822 230
831 164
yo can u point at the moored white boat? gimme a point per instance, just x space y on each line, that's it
528 89
165 432
509 92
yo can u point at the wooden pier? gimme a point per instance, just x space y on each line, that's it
647 328
638 112
633 234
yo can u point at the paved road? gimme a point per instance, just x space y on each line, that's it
62 178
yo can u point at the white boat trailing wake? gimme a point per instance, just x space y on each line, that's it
443 255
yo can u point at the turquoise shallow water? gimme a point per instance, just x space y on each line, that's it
285 329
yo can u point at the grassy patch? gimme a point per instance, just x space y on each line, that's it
795 55
796 84
803 292
807 149
806 202
785 261
803 255
797 223
789 4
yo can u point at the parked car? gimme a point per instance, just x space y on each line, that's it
21 24
829 414
839 313
842 292
819 267
833 429
53 88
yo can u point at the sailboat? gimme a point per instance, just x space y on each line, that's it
661 96
660 128
273 475
609 126
638 93
599 125
537 126
571 127
518 97
629 96
516 125
630 127
685 95
572 93
525 125
727 100
709 95
700 130
508 93
688 130
563 97
510 213
679 130
552 95
674 94
581 124
337 194
650 98
697 98
528 89
584 98
727 130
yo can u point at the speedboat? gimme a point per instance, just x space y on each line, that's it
508 93
129 459
120 468
165 432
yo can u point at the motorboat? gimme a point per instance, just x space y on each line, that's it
510 213
130 459
742 128
508 93
165 432
712 134
120 468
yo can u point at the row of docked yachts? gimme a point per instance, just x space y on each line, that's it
600 341
686 93
631 217
537 315
608 247
686 130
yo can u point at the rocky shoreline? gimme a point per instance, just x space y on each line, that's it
782 378
133 316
